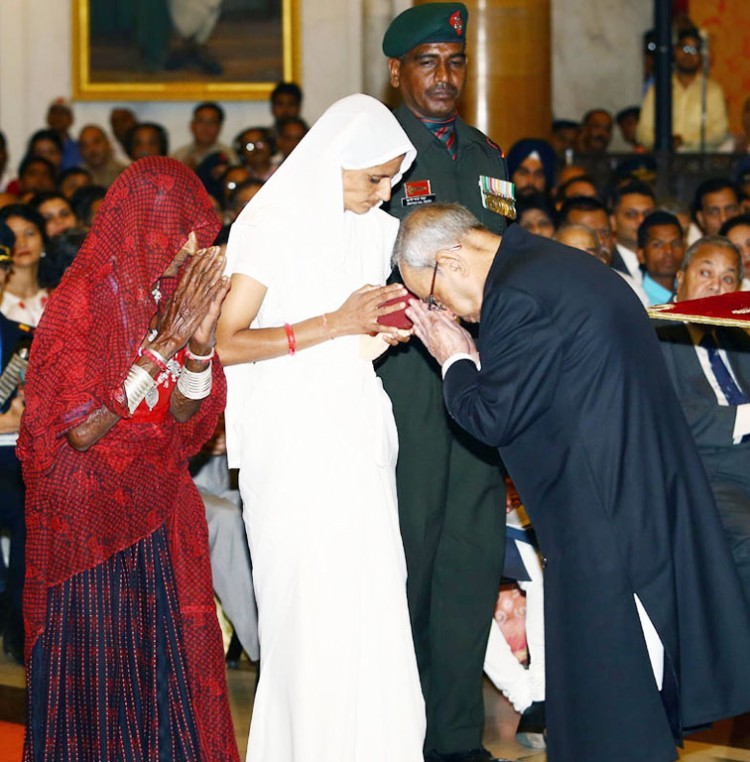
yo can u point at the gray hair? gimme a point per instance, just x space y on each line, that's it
430 229
718 241
580 228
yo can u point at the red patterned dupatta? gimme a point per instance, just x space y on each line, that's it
82 508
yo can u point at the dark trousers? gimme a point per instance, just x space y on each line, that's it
451 496
12 521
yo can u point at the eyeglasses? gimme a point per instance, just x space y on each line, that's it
689 50
256 145
431 301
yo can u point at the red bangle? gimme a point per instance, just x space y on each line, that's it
290 339
156 359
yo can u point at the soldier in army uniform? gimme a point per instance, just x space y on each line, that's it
450 487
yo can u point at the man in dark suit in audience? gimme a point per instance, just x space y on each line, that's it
647 629
710 369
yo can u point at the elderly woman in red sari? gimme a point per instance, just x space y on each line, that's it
123 650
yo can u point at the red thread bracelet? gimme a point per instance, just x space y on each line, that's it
290 338
156 359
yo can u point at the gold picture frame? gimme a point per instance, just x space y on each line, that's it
128 62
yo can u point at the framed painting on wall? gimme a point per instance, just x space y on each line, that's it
183 49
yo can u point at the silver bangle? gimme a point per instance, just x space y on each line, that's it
195 386
137 386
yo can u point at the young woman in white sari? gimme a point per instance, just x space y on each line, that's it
312 432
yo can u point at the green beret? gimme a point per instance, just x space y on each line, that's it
425 23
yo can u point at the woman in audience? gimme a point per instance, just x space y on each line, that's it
737 230
255 147
56 211
24 298
313 432
535 215
123 650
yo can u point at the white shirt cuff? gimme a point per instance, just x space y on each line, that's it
741 422
455 358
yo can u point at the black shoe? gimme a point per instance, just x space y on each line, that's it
234 652
13 644
533 720
475 755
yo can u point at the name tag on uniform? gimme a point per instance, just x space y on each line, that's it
498 196
417 193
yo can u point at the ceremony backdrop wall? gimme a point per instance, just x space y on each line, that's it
595 53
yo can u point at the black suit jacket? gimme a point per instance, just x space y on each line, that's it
712 424
574 393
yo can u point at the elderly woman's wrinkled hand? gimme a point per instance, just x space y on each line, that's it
194 308
440 332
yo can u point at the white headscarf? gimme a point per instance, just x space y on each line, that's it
305 195
296 238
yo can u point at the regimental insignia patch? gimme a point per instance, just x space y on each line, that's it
498 196
417 193
456 22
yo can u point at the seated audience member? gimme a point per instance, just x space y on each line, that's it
240 195
60 120
584 238
521 686
565 174
596 133
535 214
146 139
47 144
579 185
285 101
681 210
230 559
564 136
24 298
661 248
98 155
60 253
592 213
211 171
710 369
232 177
205 126
289 131
639 167
581 237
86 202
627 125
715 202
121 121
72 179
737 230
13 337
631 204
35 175
687 101
255 148
531 167
56 210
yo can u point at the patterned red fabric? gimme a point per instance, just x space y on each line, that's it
84 507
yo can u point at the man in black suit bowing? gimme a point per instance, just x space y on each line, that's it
646 627
710 369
